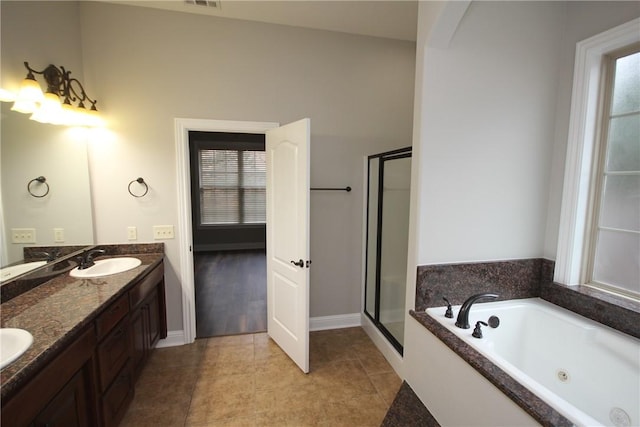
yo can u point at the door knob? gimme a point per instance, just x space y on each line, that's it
300 263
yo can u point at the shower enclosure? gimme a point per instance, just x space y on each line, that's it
388 190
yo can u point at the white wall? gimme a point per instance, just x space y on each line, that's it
490 132
151 66
584 20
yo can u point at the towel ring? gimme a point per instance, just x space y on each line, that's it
41 180
139 181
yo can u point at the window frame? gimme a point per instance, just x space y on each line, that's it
585 127
239 189
598 172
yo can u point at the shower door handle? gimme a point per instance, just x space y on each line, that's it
300 263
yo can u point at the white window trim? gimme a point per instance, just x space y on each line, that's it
573 232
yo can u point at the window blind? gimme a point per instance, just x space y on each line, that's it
232 186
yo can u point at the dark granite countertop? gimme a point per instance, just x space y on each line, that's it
55 311
527 400
408 411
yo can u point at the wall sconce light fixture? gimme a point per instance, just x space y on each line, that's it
65 101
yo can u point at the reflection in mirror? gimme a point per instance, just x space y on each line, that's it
62 217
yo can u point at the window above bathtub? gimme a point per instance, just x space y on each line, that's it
599 241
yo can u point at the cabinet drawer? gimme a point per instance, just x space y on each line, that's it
146 285
117 398
111 316
114 352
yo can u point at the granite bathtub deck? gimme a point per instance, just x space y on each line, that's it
407 410
532 404
55 311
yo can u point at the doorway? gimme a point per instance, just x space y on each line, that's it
388 196
228 199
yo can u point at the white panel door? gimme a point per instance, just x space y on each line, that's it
287 149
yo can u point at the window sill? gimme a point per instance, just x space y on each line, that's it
612 310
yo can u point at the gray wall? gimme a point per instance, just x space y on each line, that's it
151 66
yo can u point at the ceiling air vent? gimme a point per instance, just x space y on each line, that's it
215 4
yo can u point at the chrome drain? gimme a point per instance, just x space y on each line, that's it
563 375
619 417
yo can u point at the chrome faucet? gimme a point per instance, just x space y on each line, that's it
463 315
86 260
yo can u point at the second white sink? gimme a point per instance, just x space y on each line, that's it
16 270
105 267
13 342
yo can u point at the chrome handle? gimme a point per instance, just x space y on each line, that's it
300 263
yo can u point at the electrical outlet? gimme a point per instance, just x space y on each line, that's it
132 233
23 235
58 235
161 232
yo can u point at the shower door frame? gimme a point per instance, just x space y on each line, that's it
400 153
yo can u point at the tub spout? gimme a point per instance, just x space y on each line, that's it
463 315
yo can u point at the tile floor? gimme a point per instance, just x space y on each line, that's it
246 380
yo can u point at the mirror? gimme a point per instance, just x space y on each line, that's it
29 150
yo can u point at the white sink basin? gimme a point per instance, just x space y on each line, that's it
16 270
13 342
105 267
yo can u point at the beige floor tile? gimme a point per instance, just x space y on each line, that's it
231 340
184 355
359 411
248 380
160 414
342 380
374 362
228 422
266 348
217 398
293 418
213 407
272 378
387 384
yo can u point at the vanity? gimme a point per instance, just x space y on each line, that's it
91 339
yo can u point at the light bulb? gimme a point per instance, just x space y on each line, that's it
50 110
28 96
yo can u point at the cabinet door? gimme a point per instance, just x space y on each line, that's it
138 331
117 398
153 305
69 408
113 353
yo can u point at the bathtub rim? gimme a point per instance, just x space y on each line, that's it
531 403
570 411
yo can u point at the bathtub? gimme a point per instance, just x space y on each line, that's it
588 372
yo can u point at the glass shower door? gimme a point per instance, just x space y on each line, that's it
387 242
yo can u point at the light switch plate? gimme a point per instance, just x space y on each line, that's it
132 233
23 235
162 232
58 235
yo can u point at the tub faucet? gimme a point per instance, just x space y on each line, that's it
463 315
86 260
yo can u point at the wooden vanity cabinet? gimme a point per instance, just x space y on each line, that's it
115 381
61 394
91 382
148 318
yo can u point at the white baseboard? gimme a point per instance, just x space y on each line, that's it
173 339
176 338
334 322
